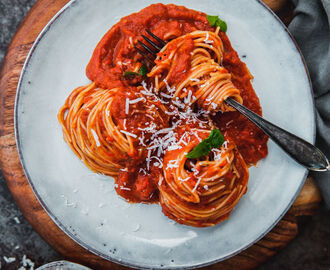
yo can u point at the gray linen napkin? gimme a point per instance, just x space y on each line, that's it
310 28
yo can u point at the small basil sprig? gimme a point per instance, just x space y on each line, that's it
216 21
130 74
215 140
142 71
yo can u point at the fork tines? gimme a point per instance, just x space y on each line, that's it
154 49
145 55
151 43
162 42
147 48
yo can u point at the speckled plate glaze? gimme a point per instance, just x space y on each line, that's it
84 205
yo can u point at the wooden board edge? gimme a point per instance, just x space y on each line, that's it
17 183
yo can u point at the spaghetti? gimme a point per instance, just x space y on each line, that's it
106 133
139 129
202 192
208 83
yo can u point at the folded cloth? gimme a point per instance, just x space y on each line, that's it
310 28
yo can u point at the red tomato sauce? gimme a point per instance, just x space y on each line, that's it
138 185
250 140
115 54
182 62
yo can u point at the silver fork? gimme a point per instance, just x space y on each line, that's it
300 150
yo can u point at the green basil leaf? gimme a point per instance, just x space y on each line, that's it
130 74
212 19
201 150
215 140
143 70
222 24
216 21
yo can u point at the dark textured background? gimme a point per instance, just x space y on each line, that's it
310 250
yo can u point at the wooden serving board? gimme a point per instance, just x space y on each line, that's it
37 18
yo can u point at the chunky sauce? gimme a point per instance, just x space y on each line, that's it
115 54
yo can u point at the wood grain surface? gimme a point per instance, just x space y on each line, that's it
306 203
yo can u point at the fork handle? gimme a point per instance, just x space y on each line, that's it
301 151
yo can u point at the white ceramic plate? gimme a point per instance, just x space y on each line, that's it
84 204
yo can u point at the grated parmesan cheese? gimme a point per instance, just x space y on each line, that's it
195 171
160 163
136 100
197 184
127 106
214 105
161 178
150 117
148 159
184 180
143 170
96 138
128 133
166 95
169 89
196 135
178 103
187 100
172 164
225 145
207 40
217 154
141 139
207 36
